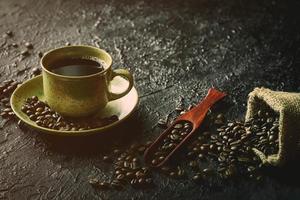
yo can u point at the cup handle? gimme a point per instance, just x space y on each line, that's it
124 74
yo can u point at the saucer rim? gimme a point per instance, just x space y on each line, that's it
68 133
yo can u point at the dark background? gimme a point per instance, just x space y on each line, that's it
173 48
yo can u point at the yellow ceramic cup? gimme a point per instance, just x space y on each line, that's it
79 96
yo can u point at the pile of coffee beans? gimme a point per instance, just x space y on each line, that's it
176 134
229 147
129 169
6 89
222 149
39 112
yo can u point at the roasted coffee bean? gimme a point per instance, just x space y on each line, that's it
172 174
133 182
21 124
7 110
193 164
5 100
178 126
121 177
106 158
9 33
154 162
28 45
207 171
93 181
201 156
103 185
197 178
40 54
36 71
179 108
162 123
25 53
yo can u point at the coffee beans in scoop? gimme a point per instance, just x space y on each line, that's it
177 133
44 116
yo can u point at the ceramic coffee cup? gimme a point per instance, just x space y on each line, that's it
79 96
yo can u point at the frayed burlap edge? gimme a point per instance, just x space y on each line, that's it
288 106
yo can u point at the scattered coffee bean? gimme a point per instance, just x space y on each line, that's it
197 178
28 45
25 53
9 33
162 123
40 54
36 71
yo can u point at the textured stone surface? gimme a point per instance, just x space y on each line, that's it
175 48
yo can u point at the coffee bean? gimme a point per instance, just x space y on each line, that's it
207 171
7 110
21 124
28 45
103 185
9 33
93 181
193 164
172 174
25 53
179 108
139 174
178 126
218 122
121 177
154 162
32 117
5 100
149 181
36 71
34 98
162 123
106 158
197 178
133 182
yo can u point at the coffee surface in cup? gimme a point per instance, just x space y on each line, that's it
77 66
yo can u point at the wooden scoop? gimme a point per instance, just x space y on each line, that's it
195 116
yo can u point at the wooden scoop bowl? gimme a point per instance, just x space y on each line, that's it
195 116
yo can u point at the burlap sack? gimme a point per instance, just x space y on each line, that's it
288 106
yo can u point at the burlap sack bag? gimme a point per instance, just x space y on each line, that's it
287 105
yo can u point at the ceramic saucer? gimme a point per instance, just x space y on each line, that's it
122 107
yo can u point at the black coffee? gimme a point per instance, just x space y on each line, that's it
77 66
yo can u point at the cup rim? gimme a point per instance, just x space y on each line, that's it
75 77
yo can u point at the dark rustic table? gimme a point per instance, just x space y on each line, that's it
174 48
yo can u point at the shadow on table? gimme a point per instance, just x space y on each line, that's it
117 137
290 174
